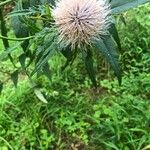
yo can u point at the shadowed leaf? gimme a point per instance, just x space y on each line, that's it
107 49
1 87
22 59
14 77
46 70
113 31
90 68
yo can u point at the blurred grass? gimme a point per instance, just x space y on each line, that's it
77 116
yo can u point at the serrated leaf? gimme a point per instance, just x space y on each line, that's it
40 96
45 48
14 77
113 31
90 68
20 29
107 49
42 62
45 55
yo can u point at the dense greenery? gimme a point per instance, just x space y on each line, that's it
76 115
41 34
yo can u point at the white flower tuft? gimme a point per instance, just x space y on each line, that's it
80 21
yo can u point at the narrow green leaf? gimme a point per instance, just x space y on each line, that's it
5 2
107 49
14 77
90 68
42 62
113 31
22 59
40 96
48 11
46 70
119 6
115 57
68 54
20 13
137 130
45 48
111 145
4 54
146 147
123 19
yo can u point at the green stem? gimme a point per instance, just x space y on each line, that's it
6 142
5 2
4 33
3 29
16 39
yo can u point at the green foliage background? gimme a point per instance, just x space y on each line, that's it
76 115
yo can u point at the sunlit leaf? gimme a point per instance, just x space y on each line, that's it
40 96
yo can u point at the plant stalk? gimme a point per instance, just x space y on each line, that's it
16 39
4 33
5 2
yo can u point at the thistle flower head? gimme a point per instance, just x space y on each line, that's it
81 21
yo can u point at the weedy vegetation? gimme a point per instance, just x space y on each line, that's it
67 100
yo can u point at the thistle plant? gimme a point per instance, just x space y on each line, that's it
69 27
79 22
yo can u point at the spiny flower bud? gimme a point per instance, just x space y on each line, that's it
80 21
